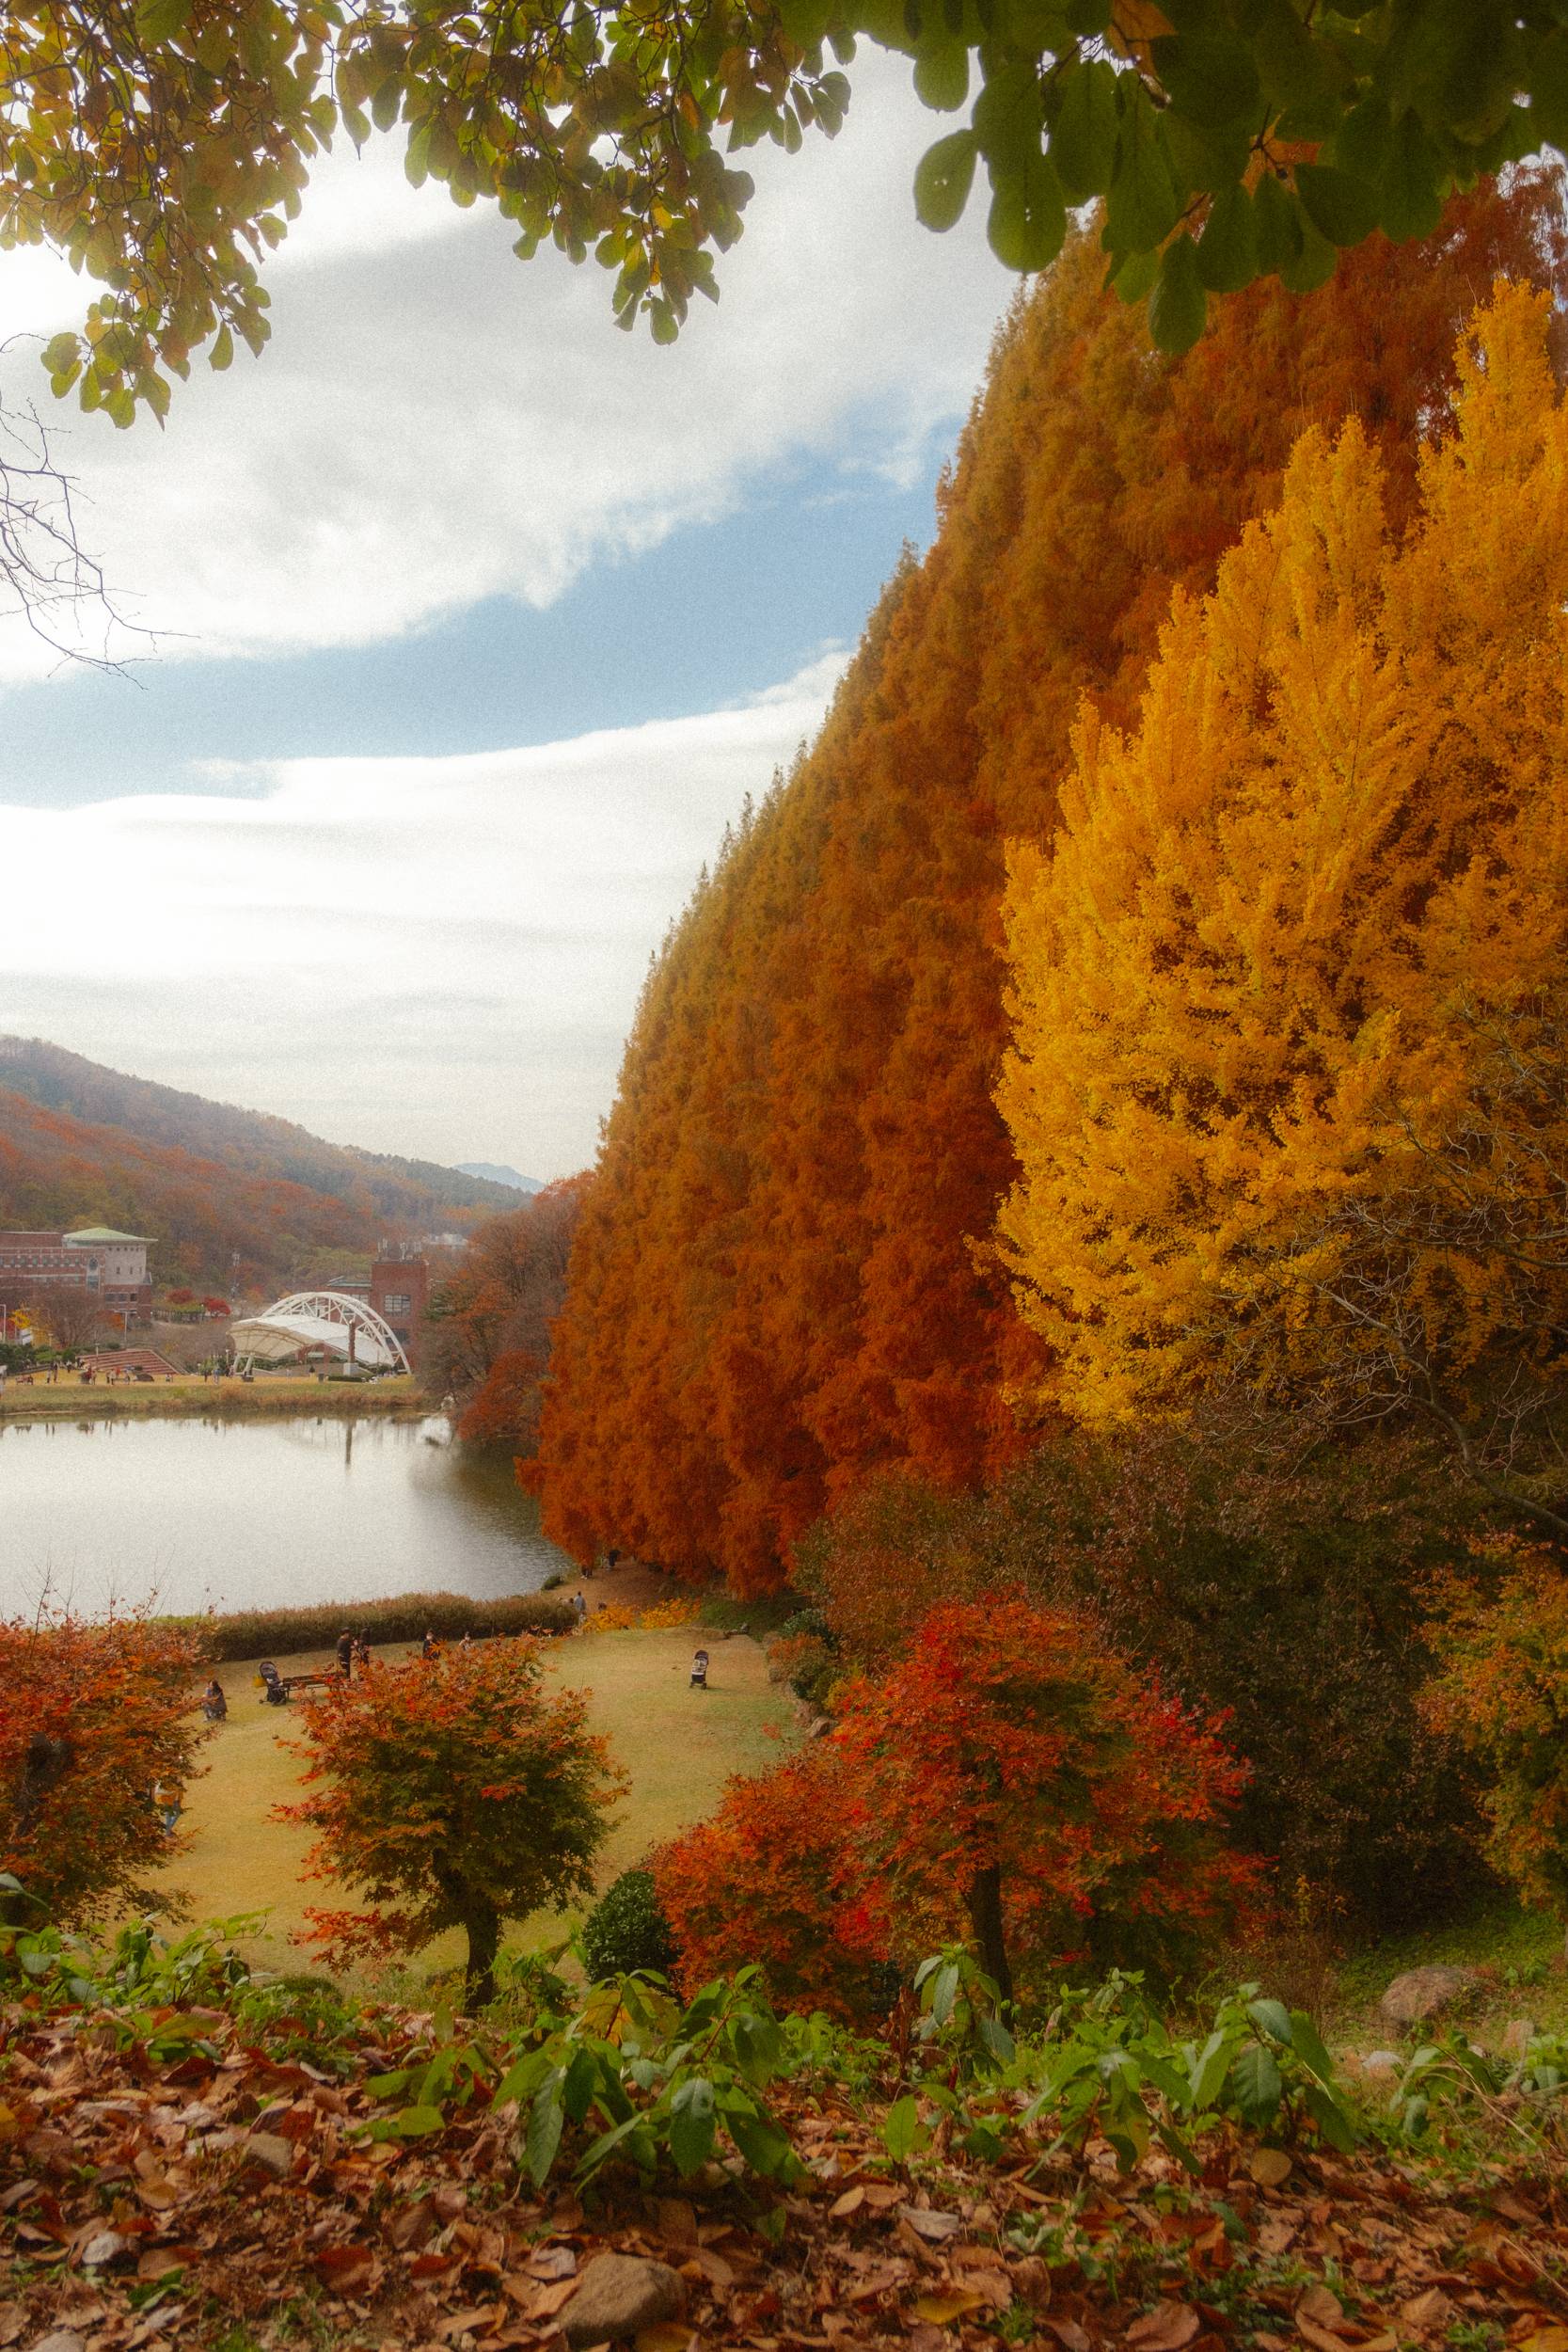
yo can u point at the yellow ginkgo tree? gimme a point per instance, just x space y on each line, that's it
1289 1083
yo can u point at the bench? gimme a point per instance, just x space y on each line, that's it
277 1690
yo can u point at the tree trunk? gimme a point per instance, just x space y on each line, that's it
481 1924
985 1917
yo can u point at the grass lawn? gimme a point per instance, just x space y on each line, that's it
678 1744
1518 1954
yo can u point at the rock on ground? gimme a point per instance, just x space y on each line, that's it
618 2294
1423 1993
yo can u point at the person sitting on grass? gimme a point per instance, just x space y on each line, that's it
213 1705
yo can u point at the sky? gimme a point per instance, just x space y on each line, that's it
460 625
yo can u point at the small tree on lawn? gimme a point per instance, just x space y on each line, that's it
92 1717
1503 1697
451 1792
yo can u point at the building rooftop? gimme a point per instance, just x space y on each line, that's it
106 1232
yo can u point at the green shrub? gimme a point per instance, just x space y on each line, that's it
627 1929
407 1617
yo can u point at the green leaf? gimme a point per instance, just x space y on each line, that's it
1208 77
1007 118
1309 2046
414 2122
1255 2087
1179 306
692 2125
941 77
1312 265
1274 2019
761 2142
944 1991
804 21
387 102
1028 218
1548 89
1331 2119
546 2118
1084 137
1135 280
1279 225
162 20
1343 209
1410 190
1227 250
1141 206
1289 62
943 178
1362 141
222 353
901 2129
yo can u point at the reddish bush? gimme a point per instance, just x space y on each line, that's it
1011 1781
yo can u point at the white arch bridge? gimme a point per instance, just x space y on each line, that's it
344 1326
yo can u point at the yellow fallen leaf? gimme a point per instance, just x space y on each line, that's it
666 2335
1269 2166
944 2308
1552 2339
852 2202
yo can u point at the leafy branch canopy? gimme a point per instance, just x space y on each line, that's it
164 146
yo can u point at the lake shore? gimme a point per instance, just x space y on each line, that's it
73 1399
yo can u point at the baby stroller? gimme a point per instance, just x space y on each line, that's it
275 1692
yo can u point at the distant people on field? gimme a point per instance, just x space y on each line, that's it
579 1602
166 1804
213 1705
345 1653
362 1648
430 1646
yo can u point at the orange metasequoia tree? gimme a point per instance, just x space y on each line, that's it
776 1290
1290 1084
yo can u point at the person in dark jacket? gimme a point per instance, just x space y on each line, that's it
345 1653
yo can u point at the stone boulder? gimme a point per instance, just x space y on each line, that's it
1424 1993
617 2295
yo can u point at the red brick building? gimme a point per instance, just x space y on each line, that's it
400 1292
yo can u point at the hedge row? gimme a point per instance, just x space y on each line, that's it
282 1632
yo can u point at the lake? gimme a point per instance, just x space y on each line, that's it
203 1513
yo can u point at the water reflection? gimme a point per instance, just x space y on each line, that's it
212 1513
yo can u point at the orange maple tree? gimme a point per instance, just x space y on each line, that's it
454 1791
92 1719
778 1287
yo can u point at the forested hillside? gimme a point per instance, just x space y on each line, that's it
784 1280
226 1193
373 1183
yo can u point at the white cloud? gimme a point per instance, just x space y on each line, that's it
430 956
435 421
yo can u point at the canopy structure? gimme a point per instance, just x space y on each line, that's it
343 1326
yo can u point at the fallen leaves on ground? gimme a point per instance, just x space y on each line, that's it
138 2217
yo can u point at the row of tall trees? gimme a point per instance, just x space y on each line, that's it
784 1282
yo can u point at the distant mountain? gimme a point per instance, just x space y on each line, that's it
497 1174
82 1144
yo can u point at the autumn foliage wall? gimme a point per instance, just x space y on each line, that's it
780 1284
